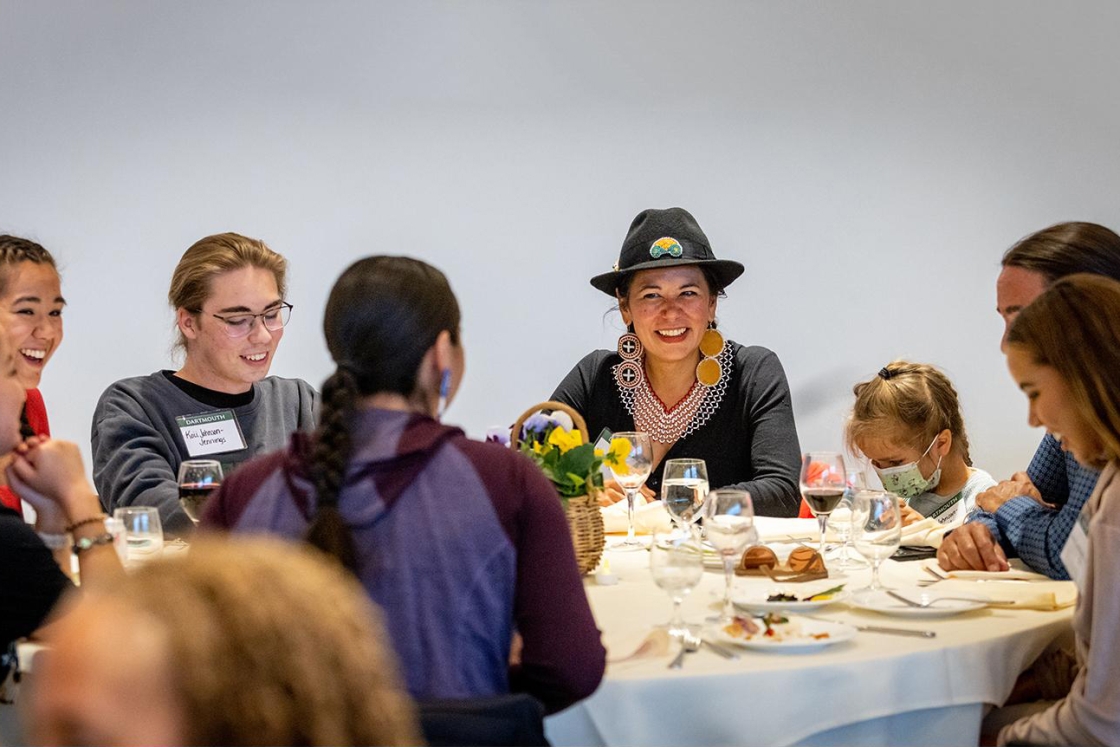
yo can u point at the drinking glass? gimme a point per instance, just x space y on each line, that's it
631 475
684 489
877 527
840 522
730 525
143 533
823 482
677 565
198 479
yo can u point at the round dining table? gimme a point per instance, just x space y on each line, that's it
875 689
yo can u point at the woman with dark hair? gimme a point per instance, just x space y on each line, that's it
1033 513
1062 351
462 543
675 377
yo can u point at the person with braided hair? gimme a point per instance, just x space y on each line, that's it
31 296
907 421
228 295
464 544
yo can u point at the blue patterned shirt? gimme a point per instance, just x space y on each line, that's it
1036 533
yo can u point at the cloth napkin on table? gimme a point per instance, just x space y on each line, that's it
649 518
1042 593
928 532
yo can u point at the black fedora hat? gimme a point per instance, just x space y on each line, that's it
666 238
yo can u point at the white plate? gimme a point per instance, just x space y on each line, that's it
756 604
879 601
800 641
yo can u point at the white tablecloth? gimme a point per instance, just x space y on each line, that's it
875 689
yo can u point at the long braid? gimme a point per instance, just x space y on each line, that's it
329 457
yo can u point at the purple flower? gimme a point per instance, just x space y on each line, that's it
537 424
498 435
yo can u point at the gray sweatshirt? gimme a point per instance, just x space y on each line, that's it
138 444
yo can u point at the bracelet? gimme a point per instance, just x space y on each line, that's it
83 522
86 543
53 541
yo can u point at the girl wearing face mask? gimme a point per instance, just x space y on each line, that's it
907 421
31 301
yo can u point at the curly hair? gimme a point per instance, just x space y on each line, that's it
1074 327
910 403
271 644
14 250
383 315
213 255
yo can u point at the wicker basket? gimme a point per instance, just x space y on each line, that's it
585 521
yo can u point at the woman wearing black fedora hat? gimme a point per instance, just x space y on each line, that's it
676 378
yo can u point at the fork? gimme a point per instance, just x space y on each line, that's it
690 644
926 603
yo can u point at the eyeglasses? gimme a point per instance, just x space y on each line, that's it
239 325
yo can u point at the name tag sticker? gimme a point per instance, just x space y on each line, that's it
1075 553
211 432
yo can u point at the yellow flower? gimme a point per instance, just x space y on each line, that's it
565 440
620 449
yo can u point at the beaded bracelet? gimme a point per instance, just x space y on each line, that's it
83 522
86 543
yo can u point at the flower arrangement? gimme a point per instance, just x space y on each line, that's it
556 445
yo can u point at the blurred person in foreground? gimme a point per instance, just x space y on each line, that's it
246 642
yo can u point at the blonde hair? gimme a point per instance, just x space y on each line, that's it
910 403
212 256
1074 327
272 643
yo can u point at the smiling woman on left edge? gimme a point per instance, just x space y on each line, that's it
230 312
31 300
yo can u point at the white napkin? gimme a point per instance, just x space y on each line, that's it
648 518
1043 593
928 532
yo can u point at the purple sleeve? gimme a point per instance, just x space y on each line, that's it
563 658
225 508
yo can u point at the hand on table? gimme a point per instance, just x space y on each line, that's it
613 493
971 547
1019 484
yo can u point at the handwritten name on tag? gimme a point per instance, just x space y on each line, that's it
211 432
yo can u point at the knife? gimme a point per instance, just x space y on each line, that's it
725 653
881 629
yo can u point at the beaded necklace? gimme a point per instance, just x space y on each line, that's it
669 425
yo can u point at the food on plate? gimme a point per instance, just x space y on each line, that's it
774 628
820 596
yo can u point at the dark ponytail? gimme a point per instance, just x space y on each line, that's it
382 317
329 456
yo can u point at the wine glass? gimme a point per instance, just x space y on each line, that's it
877 527
840 522
823 482
684 488
730 525
631 474
198 479
676 563
143 533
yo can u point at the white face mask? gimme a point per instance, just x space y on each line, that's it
906 480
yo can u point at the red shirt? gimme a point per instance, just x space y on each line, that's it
36 412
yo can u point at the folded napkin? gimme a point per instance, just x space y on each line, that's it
928 532
648 518
1042 593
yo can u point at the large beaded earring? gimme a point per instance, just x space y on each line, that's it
629 373
708 370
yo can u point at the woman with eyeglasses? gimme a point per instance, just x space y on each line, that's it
228 296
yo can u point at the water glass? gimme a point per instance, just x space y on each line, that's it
631 474
143 533
684 490
677 565
730 528
877 528
840 522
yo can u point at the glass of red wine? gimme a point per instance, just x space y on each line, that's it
198 479
823 482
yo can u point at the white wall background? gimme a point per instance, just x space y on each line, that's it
867 161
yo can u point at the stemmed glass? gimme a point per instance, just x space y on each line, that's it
823 482
631 474
730 525
677 565
684 489
877 526
840 522
198 479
